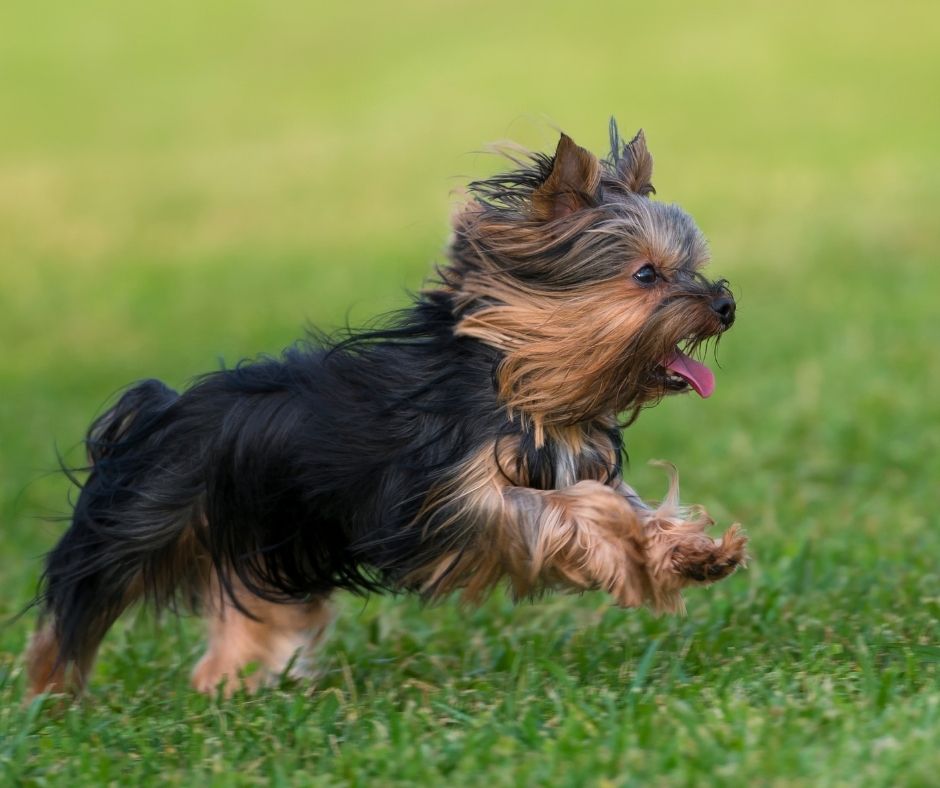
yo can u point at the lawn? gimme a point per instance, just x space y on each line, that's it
187 182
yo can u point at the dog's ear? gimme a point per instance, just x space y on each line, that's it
635 166
570 186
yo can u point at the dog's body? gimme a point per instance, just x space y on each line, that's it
475 440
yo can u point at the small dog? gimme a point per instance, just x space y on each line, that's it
475 439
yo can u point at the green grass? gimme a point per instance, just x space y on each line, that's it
188 181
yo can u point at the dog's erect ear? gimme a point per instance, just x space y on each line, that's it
570 186
635 165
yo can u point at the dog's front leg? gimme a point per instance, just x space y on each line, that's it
589 535
585 536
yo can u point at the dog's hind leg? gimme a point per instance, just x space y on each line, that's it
50 668
131 535
95 572
47 670
275 638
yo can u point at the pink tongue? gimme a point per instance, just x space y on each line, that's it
697 374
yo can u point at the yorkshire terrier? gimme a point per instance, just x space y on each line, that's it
475 438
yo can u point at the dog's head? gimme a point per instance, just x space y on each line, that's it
592 290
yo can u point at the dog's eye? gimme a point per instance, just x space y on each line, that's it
646 275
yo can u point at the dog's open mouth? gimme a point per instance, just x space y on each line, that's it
683 371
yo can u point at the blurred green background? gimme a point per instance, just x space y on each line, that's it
187 182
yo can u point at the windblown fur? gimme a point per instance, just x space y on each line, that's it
476 438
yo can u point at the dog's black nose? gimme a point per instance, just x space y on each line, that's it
724 307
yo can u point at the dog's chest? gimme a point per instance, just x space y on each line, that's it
572 455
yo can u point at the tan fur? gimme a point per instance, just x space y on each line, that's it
587 535
570 186
635 166
679 552
584 537
535 331
280 636
44 670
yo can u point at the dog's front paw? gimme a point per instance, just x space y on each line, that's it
705 560
681 554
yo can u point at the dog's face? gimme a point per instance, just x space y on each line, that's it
593 291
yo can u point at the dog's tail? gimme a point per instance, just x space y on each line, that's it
132 512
